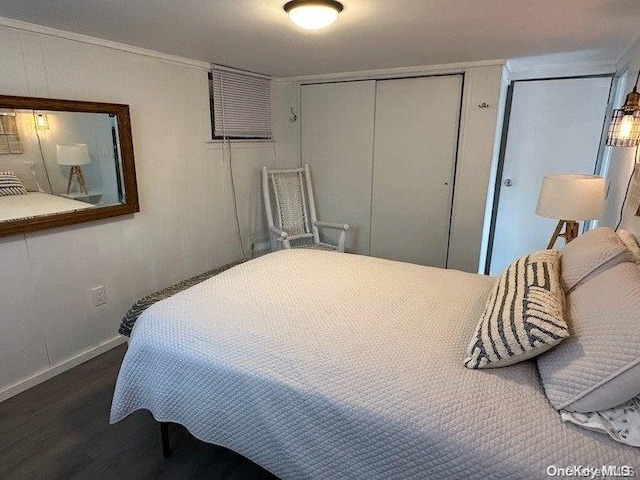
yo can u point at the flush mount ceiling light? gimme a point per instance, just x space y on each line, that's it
313 14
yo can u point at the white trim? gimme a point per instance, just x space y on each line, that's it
625 57
224 68
51 372
77 37
493 172
447 68
522 71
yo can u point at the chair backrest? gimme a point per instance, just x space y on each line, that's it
293 195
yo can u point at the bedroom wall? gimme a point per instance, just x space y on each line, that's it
621 160
477 153
186 224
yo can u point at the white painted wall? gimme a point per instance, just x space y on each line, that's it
186 223
621 160
477 150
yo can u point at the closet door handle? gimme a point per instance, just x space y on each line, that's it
508 182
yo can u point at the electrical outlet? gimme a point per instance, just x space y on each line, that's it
99 295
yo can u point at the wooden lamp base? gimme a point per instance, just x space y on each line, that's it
570 232
77 172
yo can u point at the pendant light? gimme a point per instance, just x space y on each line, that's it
313 14
624 130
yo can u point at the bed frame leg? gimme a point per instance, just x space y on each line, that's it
164 433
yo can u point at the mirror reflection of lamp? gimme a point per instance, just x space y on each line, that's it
74 155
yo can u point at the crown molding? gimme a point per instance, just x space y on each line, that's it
446 68
622 64
555 70
77 37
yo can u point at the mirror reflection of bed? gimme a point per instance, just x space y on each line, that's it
66 162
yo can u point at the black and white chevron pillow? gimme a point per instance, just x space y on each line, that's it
10 184
524 314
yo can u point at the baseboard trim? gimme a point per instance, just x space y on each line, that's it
45 375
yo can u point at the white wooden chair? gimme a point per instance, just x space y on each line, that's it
296 209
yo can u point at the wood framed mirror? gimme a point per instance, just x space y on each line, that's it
64 162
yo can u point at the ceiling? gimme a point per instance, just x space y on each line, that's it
256 35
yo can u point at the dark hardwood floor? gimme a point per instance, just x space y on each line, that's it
60 430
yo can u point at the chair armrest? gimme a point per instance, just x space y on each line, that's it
338 226
281 233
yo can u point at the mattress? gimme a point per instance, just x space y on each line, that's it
129 318
325 365
14 207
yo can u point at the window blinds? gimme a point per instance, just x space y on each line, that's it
241 104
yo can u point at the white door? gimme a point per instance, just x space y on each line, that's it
416 135
337 141
554 127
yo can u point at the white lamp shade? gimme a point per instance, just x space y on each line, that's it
73 154
571 197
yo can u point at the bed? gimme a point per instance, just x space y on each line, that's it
325 365
33 204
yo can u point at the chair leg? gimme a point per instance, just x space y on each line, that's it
164 433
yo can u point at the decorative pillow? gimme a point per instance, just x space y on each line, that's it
523 316
24 171
590 254
10 185
599 366
621 423
629 241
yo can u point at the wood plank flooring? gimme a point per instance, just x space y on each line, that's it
60 430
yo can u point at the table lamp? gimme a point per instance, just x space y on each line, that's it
570 198
74 155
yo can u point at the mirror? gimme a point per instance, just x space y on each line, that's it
63 162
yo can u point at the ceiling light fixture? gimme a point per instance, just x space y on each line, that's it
624 130
313 14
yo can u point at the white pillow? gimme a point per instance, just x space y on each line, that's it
24 172
598 367
590 254
629 241
10 185
523 316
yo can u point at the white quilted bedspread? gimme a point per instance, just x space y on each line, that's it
325 365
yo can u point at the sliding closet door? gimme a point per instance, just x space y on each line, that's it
337 141
416 135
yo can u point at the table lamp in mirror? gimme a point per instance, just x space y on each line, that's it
74 155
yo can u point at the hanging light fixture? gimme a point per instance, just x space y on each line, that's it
313 14
41 120
624 130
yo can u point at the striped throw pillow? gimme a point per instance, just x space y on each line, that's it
524 314
10 184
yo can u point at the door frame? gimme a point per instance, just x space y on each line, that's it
503 149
